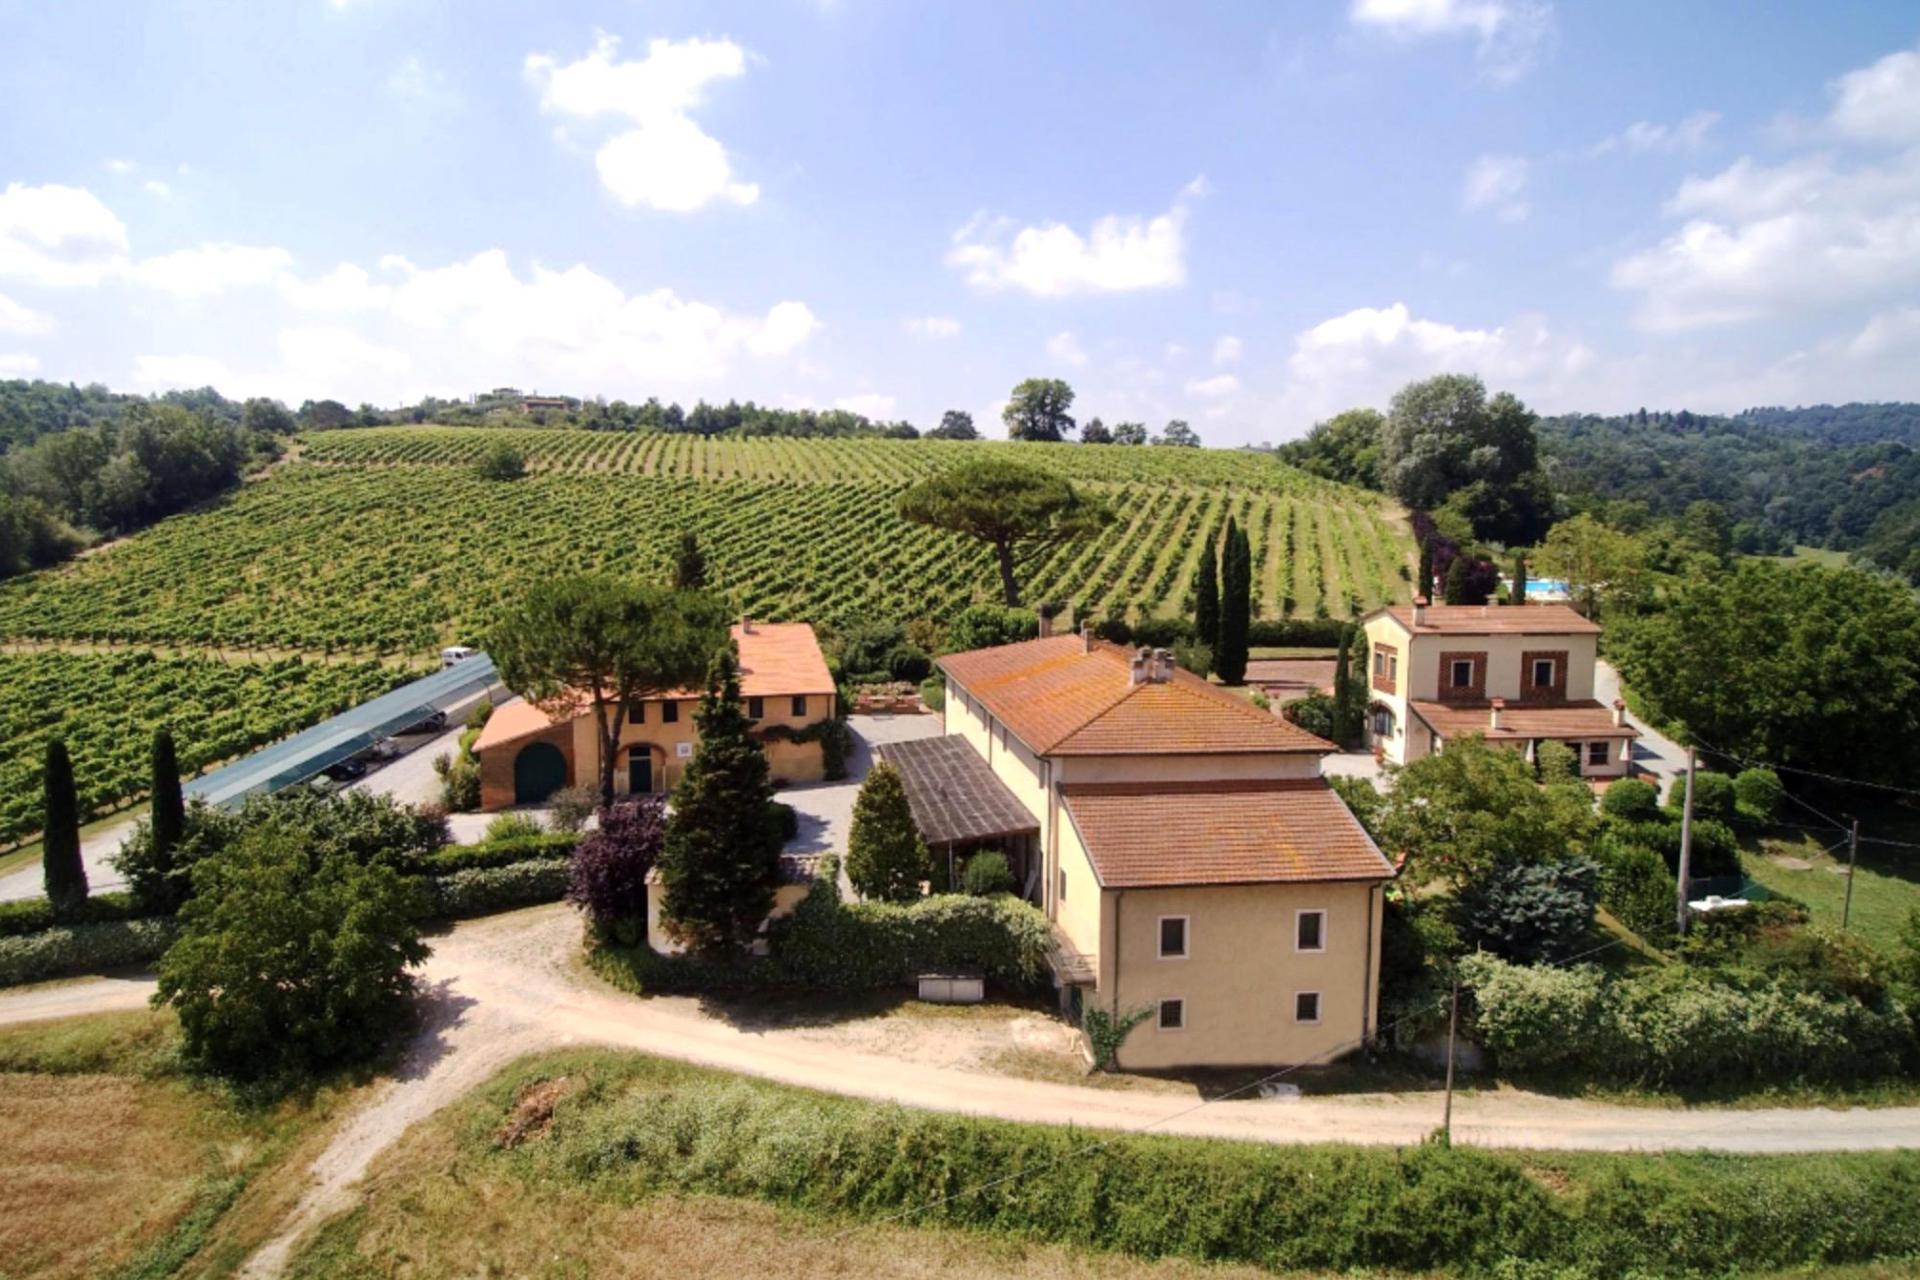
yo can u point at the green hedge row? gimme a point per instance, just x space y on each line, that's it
1678 1026
501 853
32 915
479 891
636 1126
828 944
65 950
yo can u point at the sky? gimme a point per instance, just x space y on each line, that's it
1249 216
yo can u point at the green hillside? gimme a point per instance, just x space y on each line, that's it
384 540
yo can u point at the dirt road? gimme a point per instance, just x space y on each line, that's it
508 985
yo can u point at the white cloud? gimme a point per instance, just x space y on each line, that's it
121 167
167 373
1065 348
1509 34
155 187
1213 388
664 160
1880 103
1645 136
1117 254
22 321
1498 184
19 364
933 327
58 237
210 269
345 288
1226 350
420 85
869 405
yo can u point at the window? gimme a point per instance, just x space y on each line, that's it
1543 673
636 712
1310 930
1461 675
1173 937
1382 722
1597 754
1306 1006
1173 1015
669 712
756 708
1379 662
800 704
1063 884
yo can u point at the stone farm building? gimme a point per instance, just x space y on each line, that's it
527 754
1516 675
1194 863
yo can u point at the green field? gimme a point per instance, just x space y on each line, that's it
385 541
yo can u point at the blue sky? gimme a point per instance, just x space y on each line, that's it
1249 216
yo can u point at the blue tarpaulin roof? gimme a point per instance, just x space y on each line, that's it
306 753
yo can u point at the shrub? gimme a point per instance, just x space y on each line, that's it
500 853
1756 794
987 873
1315 713
886 858
1713 795
785 819
501 461
982 626
1631 800
68 949
512 826
1557 762
570 807
1529 910
479 891
291 957
609 876
1106 1033
1193 656
459 779
933 693
1638 889
161 885
1535 1017
33 915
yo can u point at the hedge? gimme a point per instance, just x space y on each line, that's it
32 915
500 853
479 891
828 944
83 948
635 1127
1680 1026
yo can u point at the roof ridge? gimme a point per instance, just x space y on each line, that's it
1194 786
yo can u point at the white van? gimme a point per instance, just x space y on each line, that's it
456 653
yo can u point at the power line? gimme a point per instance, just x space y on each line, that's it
1810 773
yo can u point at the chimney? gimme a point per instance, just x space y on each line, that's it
746 623
1137 666
1493 716
1619 714
1162 666
1086 637
1419 610
1046 624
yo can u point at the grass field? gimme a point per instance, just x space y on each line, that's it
1886 887
116 1165
590 1163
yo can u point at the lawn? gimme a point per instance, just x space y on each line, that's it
1886 887
118 1164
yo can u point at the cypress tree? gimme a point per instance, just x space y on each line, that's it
1236 581
1457 581
886 858
689 563
1357 685
66 874
1518 595
1342 690
1206 596
720 860
169 812
1423 580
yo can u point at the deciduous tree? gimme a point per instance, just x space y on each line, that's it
1179 434
1599 565
1008 506
955 424
1037 410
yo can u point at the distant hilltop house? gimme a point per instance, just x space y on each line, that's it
526 754
1518 675
530 403
1195 865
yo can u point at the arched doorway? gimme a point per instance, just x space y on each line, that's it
643 771
538 771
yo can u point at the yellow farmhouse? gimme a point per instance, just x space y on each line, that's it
1194 863
1517 675
527 754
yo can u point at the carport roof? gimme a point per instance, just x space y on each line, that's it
954 795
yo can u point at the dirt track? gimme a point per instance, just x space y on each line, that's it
509 985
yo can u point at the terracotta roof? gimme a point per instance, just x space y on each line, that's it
1587 719
1061 699
777 660
954 794
1493 619
1143 835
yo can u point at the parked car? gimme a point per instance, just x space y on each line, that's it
345 770
434 722
456 653
384 749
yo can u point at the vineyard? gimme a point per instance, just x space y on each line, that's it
107 707
401 556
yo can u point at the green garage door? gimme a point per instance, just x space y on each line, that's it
538 771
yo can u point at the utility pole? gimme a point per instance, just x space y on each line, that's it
1853 852
1453 1029
1686 844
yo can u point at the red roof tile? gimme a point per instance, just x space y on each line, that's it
1145 835
1061 699
1493 619
1588 719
